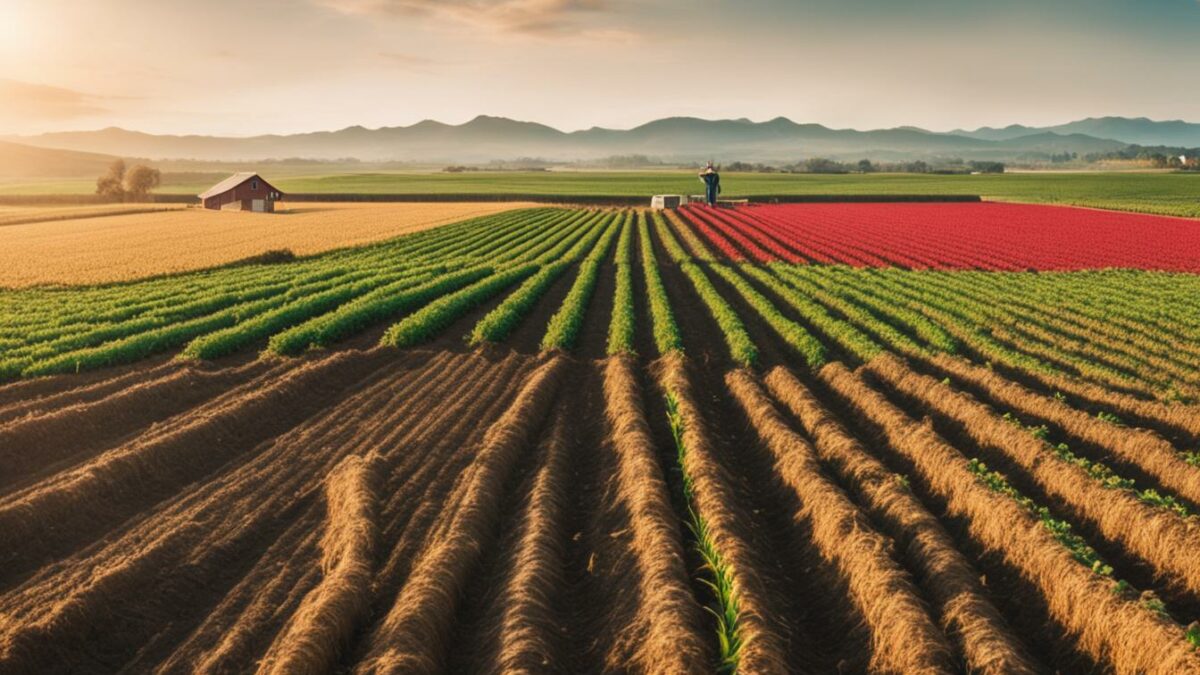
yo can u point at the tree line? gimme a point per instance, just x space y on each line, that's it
1157 156
826 165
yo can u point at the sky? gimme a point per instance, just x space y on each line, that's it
244 67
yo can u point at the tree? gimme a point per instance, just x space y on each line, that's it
823 165
987 167
112 183
865 166
140 180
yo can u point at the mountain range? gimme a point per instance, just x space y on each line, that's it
1131 130
488 138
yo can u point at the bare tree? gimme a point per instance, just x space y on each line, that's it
140 180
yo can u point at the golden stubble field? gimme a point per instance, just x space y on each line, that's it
96 249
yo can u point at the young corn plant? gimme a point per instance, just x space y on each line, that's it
720 576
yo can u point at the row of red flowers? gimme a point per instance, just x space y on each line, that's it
987 235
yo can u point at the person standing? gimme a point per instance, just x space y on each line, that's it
712 184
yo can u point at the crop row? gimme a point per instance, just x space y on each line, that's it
290 306
990 236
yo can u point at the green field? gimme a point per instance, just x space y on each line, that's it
1165 193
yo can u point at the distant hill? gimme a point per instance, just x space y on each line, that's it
23 161
1139 130
675 138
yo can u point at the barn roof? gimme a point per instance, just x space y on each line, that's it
229 183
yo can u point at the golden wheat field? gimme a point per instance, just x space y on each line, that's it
23 215
98 249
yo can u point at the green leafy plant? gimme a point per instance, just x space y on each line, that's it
1061 529
622 324
665 329
565 325
426 322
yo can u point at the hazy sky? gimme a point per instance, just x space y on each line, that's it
281 66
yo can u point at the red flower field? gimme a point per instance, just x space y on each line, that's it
987 235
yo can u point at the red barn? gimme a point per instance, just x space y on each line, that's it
245 191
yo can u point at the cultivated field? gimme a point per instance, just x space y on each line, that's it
116 243
1164 193
594 440
20 215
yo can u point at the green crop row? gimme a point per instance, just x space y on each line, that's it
378 305
237 337
87 303
792 333
845 334
560 237
309 302
665 329
426 322
564 326
141 345
855 313
130 298
510 243
741 348
720 581
1102 473
577 245
878 299
1061 529
499 323
623 322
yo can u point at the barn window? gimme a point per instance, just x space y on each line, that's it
253 185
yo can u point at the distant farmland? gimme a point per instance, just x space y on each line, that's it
1165 193
918 438
88 245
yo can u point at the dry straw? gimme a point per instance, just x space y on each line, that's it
1138 447
903 635
1158 536
673 641
415 635
986 642
763 649
329 614
530 623
1110 628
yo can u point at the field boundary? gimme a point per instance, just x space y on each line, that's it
90 200
589 200
610 200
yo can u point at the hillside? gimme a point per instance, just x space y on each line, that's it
23 161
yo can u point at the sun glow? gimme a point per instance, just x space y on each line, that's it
15 26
